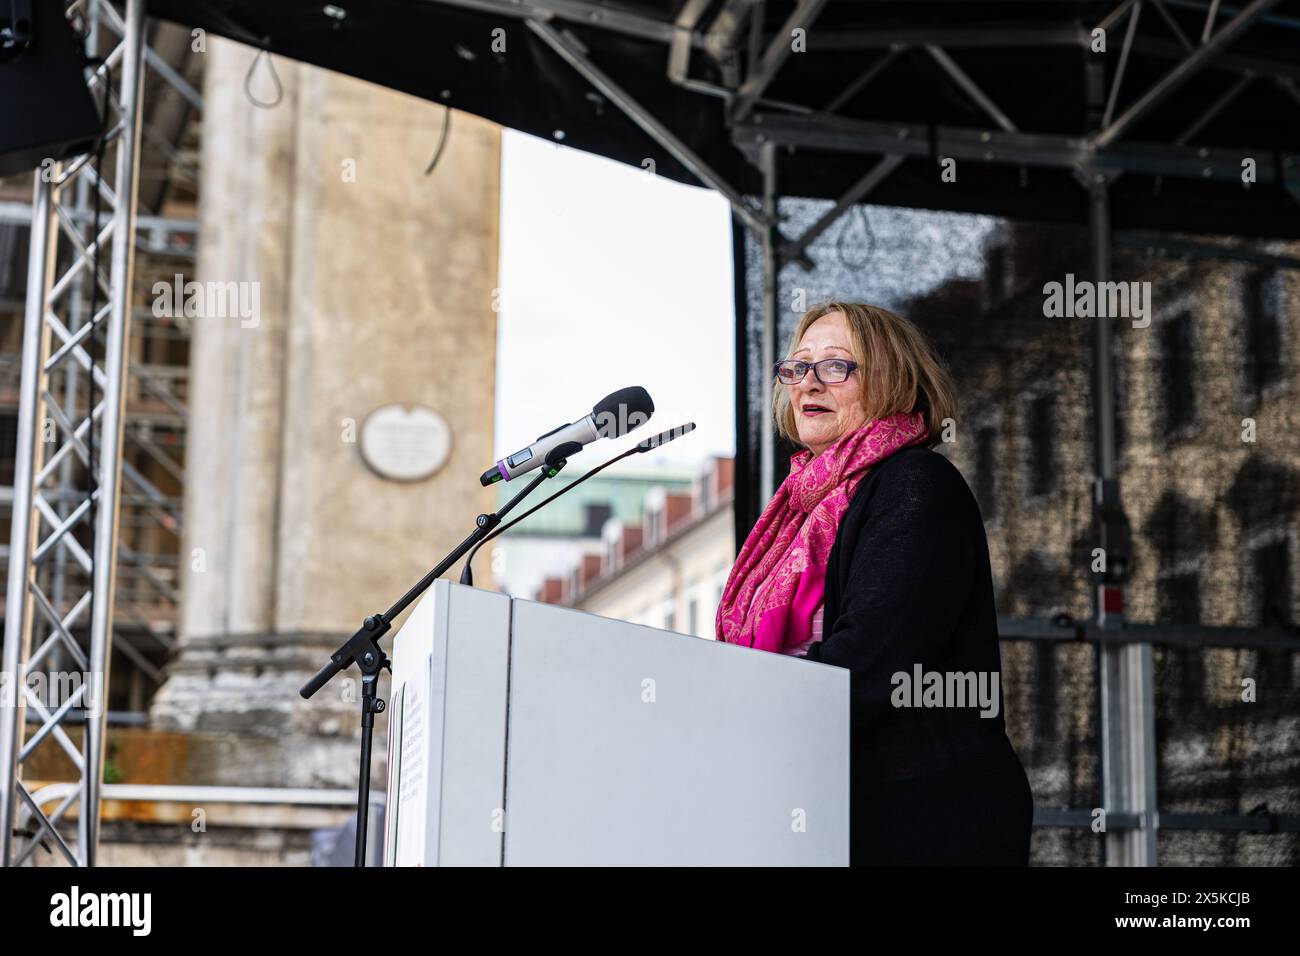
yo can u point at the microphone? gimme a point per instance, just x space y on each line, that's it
663 438
614 415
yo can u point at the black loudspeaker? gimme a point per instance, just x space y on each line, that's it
46 111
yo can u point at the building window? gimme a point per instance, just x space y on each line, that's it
8 446
597 513
1182 532
1262 320
1180 671
1040 425
667 613
693 616
14 243
1271 576
1177 368
986 476
1119 399
1046 682
995 276
655 527
1178 597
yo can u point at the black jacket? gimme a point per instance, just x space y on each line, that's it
908 582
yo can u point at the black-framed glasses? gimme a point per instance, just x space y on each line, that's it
830 371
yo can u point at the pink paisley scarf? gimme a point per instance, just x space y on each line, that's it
779 579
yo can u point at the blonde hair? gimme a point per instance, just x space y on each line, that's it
900 371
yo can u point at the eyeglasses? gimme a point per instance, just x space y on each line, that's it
828 371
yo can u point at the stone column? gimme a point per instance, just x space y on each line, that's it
374 285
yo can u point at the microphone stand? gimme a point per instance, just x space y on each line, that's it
363 649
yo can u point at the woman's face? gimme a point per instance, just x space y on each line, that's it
827 337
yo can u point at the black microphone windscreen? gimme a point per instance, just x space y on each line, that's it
619 412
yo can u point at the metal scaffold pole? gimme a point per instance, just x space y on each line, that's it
37 623
1127 699
771 323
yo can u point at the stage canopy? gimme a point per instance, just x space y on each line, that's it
1171 106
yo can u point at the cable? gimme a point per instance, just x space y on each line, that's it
442 140
870 243
275 78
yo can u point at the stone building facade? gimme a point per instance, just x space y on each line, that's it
1209 462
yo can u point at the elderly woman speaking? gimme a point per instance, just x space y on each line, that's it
872 556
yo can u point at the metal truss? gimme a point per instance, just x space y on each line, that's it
60 373
778 50
568 47
1132 831
147 596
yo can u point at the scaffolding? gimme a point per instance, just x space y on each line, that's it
96 516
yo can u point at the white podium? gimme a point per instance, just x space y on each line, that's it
524 734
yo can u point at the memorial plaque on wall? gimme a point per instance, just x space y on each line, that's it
405 443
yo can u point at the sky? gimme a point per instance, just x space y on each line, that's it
611 276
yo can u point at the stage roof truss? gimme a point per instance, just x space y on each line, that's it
733 36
